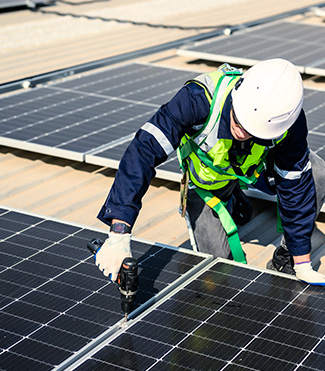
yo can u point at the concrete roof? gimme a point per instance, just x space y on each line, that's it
51 38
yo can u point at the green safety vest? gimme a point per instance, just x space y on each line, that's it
206 157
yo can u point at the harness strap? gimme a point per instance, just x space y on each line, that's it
227 223
190 146
279 227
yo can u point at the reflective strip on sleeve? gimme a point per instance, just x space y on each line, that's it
159 136
292 175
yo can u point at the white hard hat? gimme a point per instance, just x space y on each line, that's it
268 98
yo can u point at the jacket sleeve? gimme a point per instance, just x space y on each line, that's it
296 188
152 144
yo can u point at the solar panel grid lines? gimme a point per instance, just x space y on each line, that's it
152 76
178 263
97 94
314 107
84 114
84 89
88 136
124 95
38 111
77 132
229 317
14 103
54 301
117 73
189 258
301 43
122 73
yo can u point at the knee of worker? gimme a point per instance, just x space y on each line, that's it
318 168
210 237
217 246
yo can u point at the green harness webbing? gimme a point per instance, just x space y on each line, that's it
227 223
279 227
190 146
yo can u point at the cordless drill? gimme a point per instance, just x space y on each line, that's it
127 279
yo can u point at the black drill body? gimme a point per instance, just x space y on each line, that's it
127 279
128 283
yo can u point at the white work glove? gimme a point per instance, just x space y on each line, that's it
111 254
304 271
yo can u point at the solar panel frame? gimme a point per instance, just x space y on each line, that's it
54 301
226 317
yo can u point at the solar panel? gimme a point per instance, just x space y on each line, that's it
300 43
229 317
89 113
53 299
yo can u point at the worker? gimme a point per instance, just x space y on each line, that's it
229 128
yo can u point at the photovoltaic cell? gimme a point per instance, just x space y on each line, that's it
53 299
300 43
229 317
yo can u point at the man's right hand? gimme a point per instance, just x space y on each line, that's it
110 256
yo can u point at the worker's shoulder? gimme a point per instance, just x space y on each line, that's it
192 94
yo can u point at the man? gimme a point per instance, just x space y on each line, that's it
228 127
